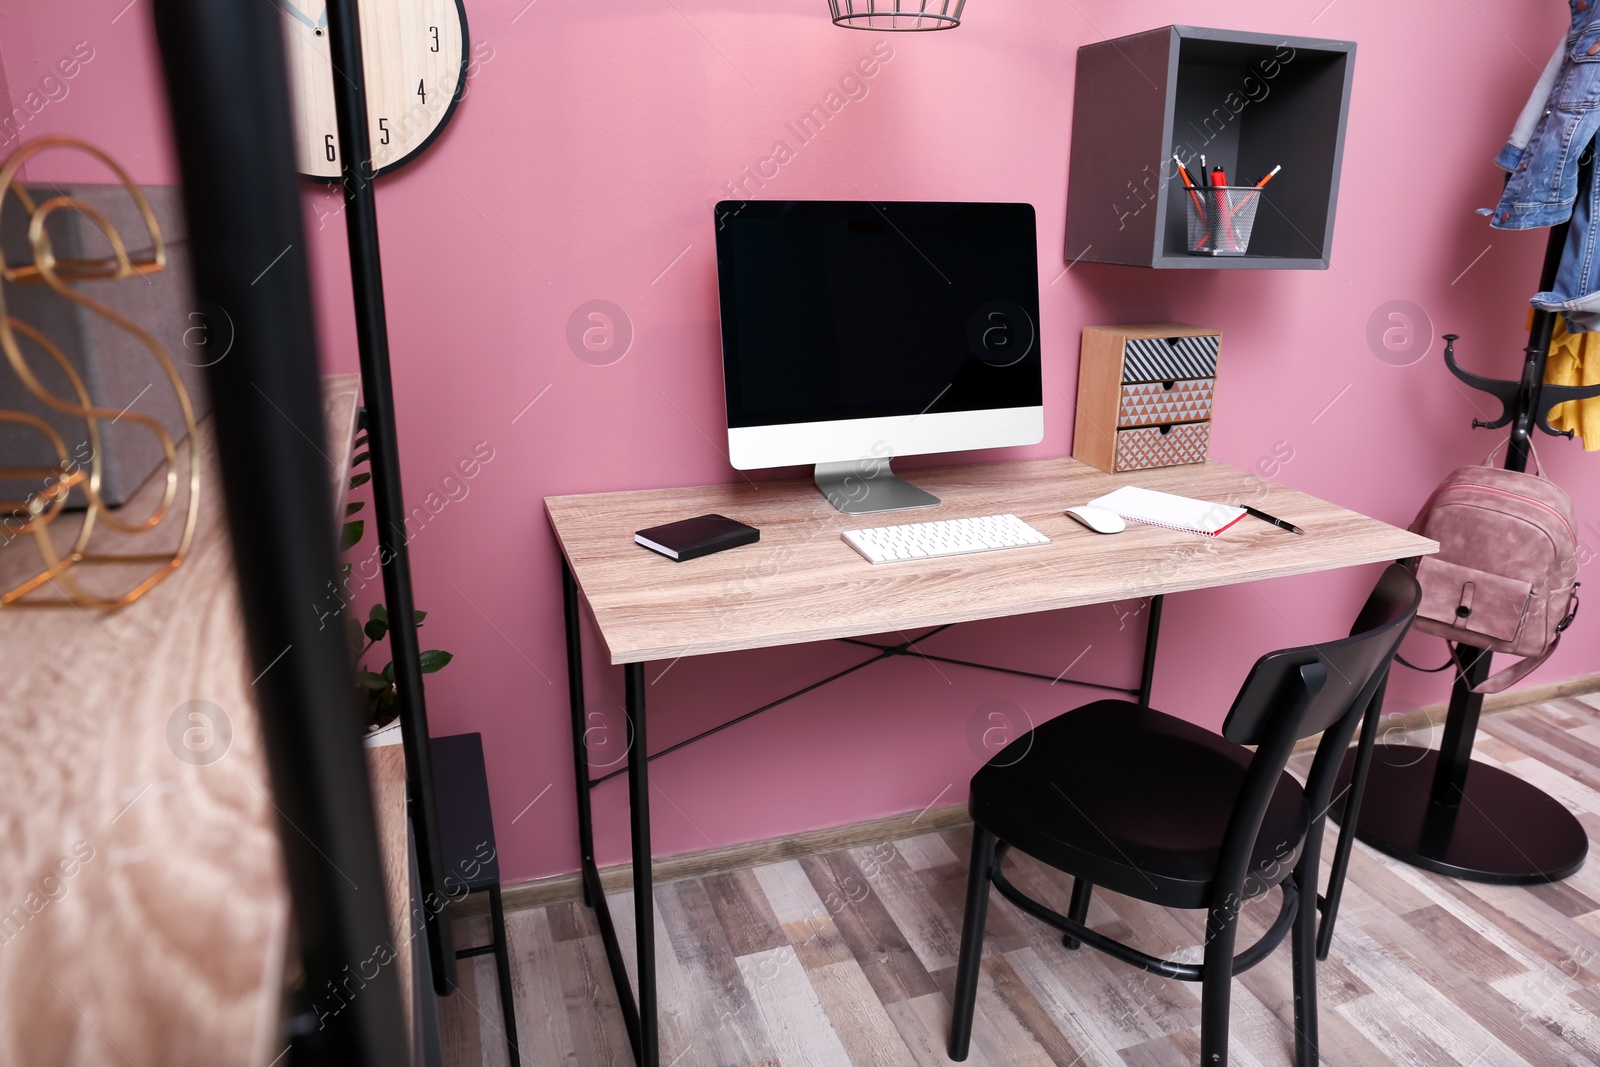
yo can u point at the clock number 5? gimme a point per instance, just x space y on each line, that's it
327 147
383 128
435 31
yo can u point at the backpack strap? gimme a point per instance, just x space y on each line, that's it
1538 467
1503 680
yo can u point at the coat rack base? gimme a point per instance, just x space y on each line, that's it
1503 831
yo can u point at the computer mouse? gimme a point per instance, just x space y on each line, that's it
1100 520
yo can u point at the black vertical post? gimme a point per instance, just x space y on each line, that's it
502 963
580 750
1538 351
228 96
647 1054
1460 726
372 336
1152 639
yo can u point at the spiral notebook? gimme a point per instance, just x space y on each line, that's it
1170 510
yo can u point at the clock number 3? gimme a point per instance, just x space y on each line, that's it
435 31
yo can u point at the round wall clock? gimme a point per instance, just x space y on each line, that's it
415 55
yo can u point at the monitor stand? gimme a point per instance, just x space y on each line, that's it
864 486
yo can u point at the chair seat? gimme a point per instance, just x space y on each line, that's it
1133 800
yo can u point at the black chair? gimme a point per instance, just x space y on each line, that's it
1153 807
471 859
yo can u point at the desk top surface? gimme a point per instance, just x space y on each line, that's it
801 582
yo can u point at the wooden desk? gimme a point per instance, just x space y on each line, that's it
802 583
167 945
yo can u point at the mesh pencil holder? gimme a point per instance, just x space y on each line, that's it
1221 218
901 15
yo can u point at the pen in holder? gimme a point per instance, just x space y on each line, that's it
1221 218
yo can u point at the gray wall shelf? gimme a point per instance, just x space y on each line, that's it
1248 101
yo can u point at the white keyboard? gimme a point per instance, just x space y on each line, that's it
946 537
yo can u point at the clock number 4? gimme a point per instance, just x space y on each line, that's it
422 90
435 31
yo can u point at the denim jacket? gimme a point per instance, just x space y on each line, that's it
1565 108
1560 120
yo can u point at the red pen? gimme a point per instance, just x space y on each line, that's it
1225 236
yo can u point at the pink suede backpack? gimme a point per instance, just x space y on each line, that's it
1504 575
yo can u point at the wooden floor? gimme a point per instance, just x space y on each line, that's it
847 958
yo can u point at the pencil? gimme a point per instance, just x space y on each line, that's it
1188 183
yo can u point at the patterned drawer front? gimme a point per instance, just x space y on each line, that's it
1165 359
1145 447
1153 403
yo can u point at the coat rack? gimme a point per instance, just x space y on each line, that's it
372 339
1444 812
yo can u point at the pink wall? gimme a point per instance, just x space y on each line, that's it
583 164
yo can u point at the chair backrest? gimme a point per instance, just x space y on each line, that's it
1297 692
1354 666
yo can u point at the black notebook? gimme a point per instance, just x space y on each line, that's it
699 536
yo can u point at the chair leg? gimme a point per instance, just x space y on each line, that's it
966 995
1216 984
502 959
1352 815
1304 944
1078 910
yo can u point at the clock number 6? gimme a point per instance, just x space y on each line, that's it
435 31
383 128
327 146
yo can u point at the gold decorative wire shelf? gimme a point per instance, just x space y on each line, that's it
40 513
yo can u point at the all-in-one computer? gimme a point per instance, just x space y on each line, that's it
856 332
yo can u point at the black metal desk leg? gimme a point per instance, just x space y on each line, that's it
580 748
1152 635
638 1017
648 1053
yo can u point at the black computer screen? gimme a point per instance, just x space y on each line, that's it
844 310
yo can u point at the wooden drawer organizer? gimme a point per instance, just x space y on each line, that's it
1144 395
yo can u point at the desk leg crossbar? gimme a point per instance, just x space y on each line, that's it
639 1012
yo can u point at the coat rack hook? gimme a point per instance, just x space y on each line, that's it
1503 391
1553 396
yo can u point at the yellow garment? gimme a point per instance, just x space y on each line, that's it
1575 360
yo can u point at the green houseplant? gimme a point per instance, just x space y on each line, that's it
378 694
